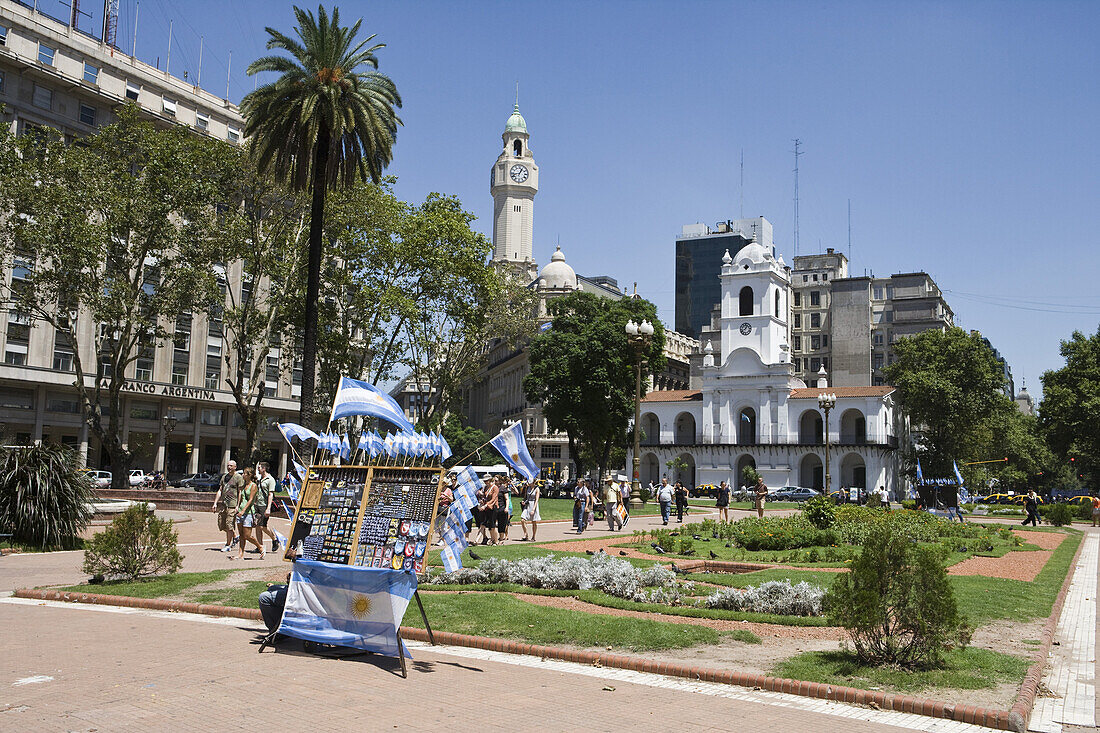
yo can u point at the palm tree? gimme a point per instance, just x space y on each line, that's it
320 125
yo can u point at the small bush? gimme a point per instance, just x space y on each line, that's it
1060 514
45 501
908 503
775 596
645 494
896 603
779 533
685 547
1084 511
134 545
820 511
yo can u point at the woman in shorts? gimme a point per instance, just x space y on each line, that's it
246 513
530 511
723 502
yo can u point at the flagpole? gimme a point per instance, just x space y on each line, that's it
475 451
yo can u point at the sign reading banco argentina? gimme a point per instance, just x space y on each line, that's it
164 390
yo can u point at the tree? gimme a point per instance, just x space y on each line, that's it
322 124
582 371
466 442
951 386
1070 410
113 240
260 232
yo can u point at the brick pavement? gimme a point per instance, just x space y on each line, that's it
145 671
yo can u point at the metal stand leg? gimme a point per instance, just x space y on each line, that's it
431 636
269 639
401 657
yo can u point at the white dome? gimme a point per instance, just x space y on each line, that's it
753 253
558 275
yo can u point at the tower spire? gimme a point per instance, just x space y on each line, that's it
517 95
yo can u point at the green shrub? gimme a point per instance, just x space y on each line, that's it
1084 511
645 494
45 500
686 547
896 603
1060 514
780 533
749 476
135 544
820 511
908 503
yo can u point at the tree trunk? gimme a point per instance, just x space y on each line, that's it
313 278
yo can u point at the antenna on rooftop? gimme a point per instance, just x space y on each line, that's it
137 7
849 230
198 79
517 93
742 215
110 22
797 154
228 71
168 60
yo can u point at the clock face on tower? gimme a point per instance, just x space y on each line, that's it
746 329
518 173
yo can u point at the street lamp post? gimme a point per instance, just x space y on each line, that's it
169 425
639 335
826 402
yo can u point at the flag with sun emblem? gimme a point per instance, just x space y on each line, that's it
511 444
354 607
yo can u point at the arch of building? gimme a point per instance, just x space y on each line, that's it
746 426
743 461
649 472
811 429
651 429
853 427
684 429
685 473
811 472
853 471
744 301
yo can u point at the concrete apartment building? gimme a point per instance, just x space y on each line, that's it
180 415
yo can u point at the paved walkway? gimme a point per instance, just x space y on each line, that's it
1071 674
144 671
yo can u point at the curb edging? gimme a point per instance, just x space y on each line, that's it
1002 719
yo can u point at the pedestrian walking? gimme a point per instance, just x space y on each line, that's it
530 511
582 503
265 484
225 503
681 501
1031 506
487 513
723 502
1095 510
504 510
761 492
664 498
246 513
611 499
624 491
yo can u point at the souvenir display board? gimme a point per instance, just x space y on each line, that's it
369 516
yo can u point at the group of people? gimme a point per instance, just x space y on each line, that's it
492 515
243 505
614 497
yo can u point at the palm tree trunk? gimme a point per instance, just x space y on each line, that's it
313 277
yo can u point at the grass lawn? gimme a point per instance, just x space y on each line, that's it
966 669
158 587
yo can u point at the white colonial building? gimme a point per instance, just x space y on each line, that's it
752 409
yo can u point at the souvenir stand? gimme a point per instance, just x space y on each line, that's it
378 517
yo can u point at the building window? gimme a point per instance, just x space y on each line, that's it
797 364
889 316
132 90
877 338
212 417
87 115
815 365
744 300
179 372
805 278
202 122
815 277
62 359
878 293
824 276
56 402
825 362
797 299
144 370
169 106
815 297
551 451
45 54
797 342
91 73
824 341
877 361
1 81
233 134
181 414
798 320
815 343
815 320
144 411
15 357
3 35
17 399
42 97
777 304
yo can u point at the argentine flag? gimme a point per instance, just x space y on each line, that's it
920 473
360 398
512 446
354 607
291 430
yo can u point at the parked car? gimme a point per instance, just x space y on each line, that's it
794 493
137 478
102 479
707 490
200 481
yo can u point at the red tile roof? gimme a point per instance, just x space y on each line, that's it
673 395
811 393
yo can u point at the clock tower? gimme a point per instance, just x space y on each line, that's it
514 181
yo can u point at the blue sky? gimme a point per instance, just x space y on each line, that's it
964 133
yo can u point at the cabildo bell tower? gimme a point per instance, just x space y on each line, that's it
514 181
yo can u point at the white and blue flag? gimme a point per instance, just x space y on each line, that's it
361 398
512 446
351 606
958 476
920 473
291 430
444 448
345 448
